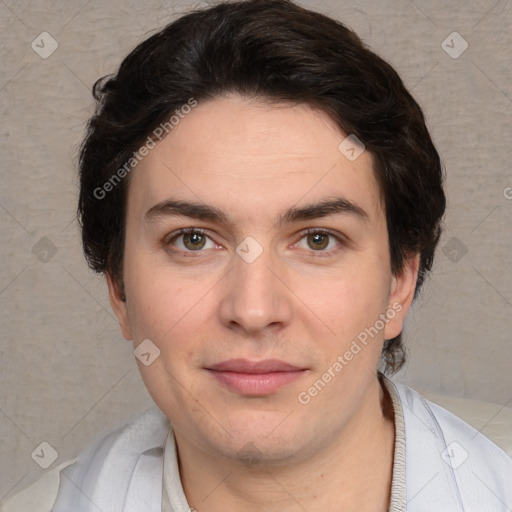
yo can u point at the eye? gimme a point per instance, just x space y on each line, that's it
190 240
319 241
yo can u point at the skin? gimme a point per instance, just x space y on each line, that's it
253 160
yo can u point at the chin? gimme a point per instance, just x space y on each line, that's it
260 443
261 451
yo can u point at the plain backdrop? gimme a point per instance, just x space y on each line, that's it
66 373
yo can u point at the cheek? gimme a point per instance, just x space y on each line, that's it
158 299
174 313
353 301
158 313
354 306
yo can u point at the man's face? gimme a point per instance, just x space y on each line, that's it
253 285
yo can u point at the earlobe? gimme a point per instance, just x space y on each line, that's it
118 303
403 286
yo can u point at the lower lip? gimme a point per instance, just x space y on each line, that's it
256 384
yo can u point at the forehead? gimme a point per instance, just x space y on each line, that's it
251 156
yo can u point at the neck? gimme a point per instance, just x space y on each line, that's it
353 473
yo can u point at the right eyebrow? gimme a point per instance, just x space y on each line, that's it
171 207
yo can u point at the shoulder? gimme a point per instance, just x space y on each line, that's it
102 471
38 497
452 458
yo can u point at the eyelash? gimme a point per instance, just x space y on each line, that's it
316 254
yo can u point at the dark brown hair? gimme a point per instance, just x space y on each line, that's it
277 51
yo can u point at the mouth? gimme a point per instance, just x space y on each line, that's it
255 378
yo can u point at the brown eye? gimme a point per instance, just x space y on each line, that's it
194 241
189 240
318 241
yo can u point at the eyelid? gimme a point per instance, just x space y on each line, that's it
183 231
326 231
323 231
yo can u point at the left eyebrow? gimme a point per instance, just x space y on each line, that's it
323 208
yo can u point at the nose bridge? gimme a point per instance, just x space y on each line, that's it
254 297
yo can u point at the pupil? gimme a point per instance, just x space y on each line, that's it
319 240
195 239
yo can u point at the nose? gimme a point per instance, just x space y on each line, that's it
255 297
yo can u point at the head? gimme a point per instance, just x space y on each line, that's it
233 116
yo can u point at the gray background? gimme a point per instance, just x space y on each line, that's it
66 373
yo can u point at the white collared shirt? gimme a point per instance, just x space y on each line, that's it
441 464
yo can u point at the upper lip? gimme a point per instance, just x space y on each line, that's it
246 366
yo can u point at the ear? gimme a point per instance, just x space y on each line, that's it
403 286
115 294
